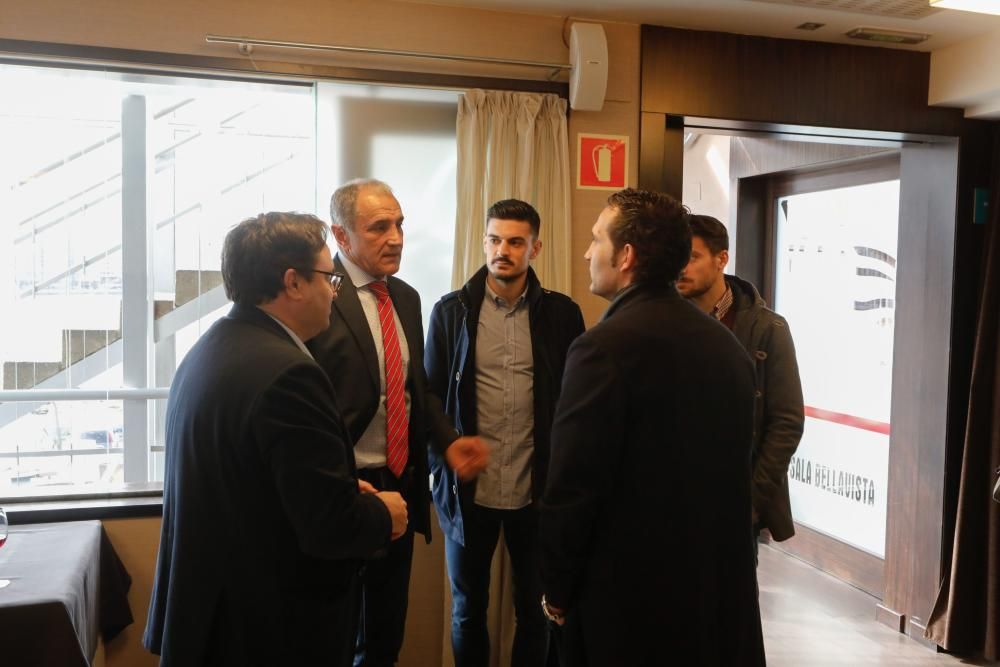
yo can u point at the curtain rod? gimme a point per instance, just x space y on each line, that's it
246 45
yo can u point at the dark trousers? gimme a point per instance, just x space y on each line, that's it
385 588
566 643
469 571
313 633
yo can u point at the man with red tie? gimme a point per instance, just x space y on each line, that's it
373 353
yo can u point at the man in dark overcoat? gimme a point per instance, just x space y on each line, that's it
646 517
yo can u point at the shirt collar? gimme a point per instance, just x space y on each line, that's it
359 277
619 296
499 301
725 303
292 334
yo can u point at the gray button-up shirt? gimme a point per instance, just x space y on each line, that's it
505 402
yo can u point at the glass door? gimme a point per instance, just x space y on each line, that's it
835 268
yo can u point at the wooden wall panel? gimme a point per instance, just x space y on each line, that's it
752 156
741 77
789 82
928 182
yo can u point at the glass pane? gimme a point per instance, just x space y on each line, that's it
60 253
835 283
405 137
218 152
429 209
60 446
221 153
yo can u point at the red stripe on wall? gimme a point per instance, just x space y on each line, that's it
848 420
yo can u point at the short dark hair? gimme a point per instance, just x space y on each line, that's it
712 232
344 201
258 251
655 224
515 209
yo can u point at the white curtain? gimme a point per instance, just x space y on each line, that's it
513 145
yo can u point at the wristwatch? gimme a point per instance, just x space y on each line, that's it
556 618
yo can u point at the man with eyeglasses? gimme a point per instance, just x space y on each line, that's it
373 352
265 526
333 278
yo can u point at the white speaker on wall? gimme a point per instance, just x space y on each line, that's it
588 57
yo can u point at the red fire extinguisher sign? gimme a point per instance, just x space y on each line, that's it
602 161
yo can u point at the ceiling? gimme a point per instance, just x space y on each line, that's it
768 18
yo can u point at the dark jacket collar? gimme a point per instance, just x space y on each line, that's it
258 317
474 291
745 295
638 292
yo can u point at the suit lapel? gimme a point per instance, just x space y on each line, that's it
348 306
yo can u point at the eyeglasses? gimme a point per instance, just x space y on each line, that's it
333 278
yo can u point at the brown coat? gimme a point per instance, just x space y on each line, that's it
778 411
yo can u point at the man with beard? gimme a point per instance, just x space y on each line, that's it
495 354
778 411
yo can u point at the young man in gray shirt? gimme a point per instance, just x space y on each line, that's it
495 355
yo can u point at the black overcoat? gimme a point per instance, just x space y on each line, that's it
646 517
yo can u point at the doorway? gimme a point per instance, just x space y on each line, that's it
834 231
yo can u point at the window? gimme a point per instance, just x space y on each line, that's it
405 137
103 305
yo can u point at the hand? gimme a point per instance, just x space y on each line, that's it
365 487
467 456
397 510
555 614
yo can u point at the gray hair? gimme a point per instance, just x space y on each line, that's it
343 203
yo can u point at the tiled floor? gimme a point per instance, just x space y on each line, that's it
814 620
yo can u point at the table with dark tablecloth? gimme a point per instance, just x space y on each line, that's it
67 585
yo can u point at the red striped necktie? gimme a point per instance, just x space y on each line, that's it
396 425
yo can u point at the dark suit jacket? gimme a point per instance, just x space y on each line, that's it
263 526
346 351
645 521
